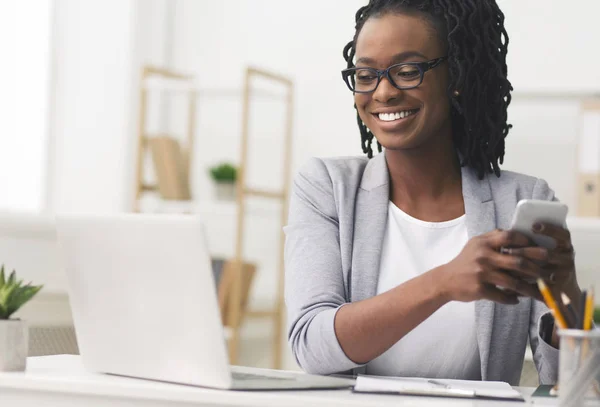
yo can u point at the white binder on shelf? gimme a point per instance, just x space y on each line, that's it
588 189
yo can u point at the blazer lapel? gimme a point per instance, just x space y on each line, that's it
481 218
370 218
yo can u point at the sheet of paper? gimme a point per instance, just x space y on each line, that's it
437 387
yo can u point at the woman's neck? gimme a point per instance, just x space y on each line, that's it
426 181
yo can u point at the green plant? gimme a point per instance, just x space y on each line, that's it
224 173
597 315
13 294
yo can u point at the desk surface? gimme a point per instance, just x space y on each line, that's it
62 380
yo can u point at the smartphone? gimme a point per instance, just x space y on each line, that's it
531 211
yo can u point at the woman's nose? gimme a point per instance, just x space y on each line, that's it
386 92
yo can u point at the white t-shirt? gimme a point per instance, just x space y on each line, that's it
445 344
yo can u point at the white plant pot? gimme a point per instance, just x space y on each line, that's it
14 341
225 191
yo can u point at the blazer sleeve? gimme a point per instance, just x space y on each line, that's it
314 284
544 355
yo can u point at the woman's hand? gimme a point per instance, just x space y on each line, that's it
559 269
483 266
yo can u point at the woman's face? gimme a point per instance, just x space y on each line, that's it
392 39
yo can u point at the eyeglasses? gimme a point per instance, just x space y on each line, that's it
403 76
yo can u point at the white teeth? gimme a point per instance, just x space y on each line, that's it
389 117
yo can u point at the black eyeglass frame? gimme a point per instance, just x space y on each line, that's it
421 66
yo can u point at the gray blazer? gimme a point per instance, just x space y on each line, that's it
337 220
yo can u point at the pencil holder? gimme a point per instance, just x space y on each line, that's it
579 368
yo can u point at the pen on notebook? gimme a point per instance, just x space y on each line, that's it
588 316
582 304
572 315
438 383
558 317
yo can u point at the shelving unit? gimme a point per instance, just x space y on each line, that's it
178 82
277 314
170 81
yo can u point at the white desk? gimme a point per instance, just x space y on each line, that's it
53 381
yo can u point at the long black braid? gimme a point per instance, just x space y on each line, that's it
477 47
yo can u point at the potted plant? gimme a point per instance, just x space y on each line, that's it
14 336
224 176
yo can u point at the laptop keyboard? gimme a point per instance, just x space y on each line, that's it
254 376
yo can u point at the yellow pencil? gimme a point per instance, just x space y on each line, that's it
558 316
589 310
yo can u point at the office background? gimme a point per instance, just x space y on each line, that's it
70 102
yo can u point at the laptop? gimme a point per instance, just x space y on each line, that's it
144 304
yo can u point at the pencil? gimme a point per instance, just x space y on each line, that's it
589 310
572 315
581 313
558 317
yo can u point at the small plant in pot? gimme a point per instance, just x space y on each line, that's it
225 176
14 335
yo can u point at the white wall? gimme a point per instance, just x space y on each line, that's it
99 50
93 45
550 52
552 44
24 80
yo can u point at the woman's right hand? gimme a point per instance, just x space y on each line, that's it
483 266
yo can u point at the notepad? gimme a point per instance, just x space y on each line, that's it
436 387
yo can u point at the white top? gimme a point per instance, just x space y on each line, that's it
445 344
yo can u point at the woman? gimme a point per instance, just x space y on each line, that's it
397 264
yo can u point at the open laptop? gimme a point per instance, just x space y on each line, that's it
144 303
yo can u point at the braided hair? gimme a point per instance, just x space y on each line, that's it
477 47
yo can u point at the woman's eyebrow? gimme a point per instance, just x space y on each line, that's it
396 58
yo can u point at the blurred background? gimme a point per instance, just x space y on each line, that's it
144 105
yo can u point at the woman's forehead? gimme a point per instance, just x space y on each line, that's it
385 38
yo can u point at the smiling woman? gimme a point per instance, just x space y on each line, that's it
397 264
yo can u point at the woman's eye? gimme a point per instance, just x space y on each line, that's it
408 73
364 78
365 75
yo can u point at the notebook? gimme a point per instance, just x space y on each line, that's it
436 387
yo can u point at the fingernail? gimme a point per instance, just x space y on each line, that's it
546 253
538 227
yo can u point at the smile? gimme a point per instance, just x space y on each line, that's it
390 117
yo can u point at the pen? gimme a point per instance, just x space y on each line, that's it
438 383
558 317
572 315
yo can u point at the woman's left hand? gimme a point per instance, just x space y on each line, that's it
558 264
559 267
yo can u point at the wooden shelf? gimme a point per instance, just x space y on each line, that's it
145 199
264 194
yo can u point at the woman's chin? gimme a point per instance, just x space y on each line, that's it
397 141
